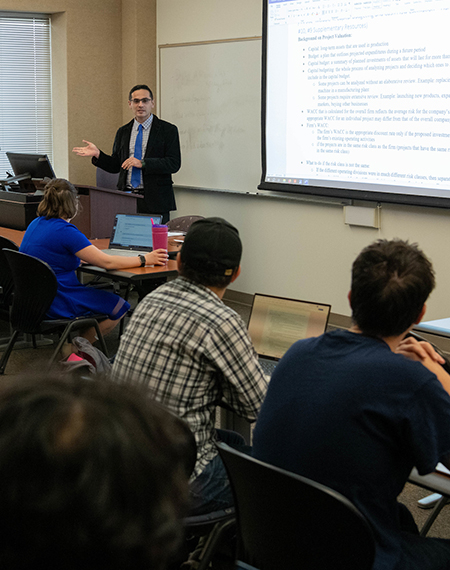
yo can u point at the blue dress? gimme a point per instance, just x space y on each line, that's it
56 242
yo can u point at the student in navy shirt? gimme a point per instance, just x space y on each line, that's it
356 410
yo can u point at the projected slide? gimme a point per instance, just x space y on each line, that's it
358 96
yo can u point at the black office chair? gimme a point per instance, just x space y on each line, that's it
290 522
214 526
183 223
6 281
35 288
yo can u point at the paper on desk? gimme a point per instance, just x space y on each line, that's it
436 326
442 469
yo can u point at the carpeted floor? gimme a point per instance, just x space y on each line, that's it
29 360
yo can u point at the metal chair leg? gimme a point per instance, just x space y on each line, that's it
68 330
434 513
122 320
212 542
8 351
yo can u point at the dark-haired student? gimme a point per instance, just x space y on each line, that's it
363 407
94 476
146 152
194 352
53 239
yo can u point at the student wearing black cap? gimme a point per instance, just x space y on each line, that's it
194 352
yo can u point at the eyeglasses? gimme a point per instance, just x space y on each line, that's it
145 100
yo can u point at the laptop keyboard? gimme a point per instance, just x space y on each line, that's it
125 252
268 366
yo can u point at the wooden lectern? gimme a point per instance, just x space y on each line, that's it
95 220
99 206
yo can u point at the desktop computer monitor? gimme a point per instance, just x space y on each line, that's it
36 165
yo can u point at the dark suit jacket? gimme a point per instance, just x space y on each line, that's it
162 158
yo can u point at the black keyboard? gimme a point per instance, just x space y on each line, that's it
268 366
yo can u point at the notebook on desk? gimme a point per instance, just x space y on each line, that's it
276 323
132 234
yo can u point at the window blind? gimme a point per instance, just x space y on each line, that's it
25 86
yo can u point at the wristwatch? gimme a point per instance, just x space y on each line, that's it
142 258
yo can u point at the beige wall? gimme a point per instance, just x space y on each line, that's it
204 20
296 249
96 58
291 248
138 46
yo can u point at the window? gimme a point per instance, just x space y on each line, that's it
25 86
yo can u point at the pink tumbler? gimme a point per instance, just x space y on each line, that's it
160 236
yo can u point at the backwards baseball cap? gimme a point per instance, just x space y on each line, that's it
212 245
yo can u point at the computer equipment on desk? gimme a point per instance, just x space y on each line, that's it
276 323
30 172
132 234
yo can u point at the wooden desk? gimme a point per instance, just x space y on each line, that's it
129 276
17 235
134 274
14 235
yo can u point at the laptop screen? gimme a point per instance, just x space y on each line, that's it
133 231
276 323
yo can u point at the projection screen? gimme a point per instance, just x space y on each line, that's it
355 99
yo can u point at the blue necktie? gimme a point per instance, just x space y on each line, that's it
136 172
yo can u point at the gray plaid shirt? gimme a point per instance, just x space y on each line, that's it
193 352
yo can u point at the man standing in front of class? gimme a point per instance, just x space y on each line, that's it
146 152
363 406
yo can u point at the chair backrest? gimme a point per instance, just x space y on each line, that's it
106 179
6 281
183 223
290 522
35 288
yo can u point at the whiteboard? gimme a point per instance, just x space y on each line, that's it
212 92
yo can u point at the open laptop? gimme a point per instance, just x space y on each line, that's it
276 323
132 234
